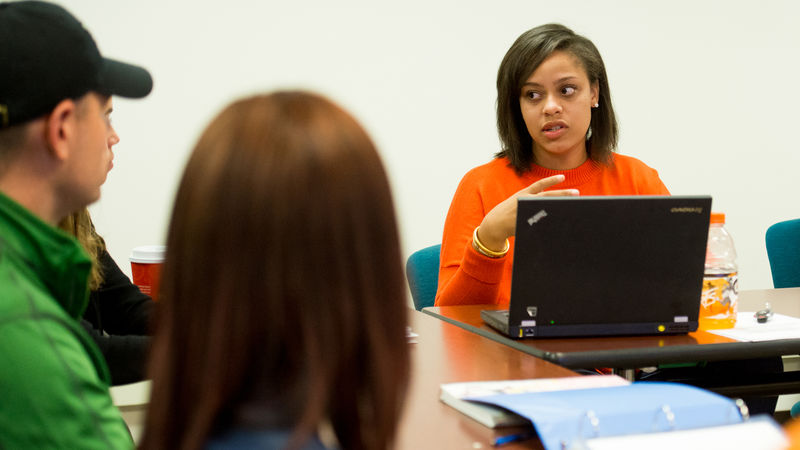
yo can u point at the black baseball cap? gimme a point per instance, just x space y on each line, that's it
47 56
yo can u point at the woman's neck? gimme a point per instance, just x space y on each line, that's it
565 161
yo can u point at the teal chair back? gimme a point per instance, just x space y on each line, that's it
783 250
422 270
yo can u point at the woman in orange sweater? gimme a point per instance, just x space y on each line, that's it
558 130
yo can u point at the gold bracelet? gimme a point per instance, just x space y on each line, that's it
480 248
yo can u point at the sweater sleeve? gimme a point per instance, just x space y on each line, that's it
122 307
466 276
653 185
647 180
125 356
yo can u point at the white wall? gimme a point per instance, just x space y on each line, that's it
706 92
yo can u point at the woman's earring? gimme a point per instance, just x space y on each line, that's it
596 105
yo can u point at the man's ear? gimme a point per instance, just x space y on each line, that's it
60 128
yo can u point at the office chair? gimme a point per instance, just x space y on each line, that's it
422 270
783 251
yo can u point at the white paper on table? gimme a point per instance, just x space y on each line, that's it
747 329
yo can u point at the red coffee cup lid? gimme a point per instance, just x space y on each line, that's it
148 254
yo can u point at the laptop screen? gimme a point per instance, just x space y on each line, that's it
595 260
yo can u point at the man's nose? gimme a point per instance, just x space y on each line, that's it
113 139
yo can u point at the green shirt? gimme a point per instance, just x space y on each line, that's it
53 379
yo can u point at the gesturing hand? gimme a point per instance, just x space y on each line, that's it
500 222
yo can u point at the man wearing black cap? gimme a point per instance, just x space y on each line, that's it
55 153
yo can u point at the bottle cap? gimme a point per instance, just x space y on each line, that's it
717 217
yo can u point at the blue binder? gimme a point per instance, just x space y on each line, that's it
563 419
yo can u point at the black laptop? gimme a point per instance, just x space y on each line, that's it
599 266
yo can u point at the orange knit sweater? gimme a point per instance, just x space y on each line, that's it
466 276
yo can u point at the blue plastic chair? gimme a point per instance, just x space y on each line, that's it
422 270
783 250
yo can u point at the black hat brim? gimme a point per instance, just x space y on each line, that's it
124 80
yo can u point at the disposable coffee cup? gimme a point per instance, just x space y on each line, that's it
146 262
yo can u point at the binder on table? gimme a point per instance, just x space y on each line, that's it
567 418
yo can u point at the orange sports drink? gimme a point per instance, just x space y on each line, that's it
719 302
720 299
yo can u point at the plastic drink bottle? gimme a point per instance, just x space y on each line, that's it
719 301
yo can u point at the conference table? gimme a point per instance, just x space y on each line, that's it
625 353
446 354
453 345
441 353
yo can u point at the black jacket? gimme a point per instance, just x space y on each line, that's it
118 319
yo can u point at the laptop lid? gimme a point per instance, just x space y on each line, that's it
590 266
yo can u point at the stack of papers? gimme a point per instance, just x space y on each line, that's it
455 395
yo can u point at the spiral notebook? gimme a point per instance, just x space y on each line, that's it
593 266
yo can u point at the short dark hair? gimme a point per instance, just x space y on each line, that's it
522 59
283 290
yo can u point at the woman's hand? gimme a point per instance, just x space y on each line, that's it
500 222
